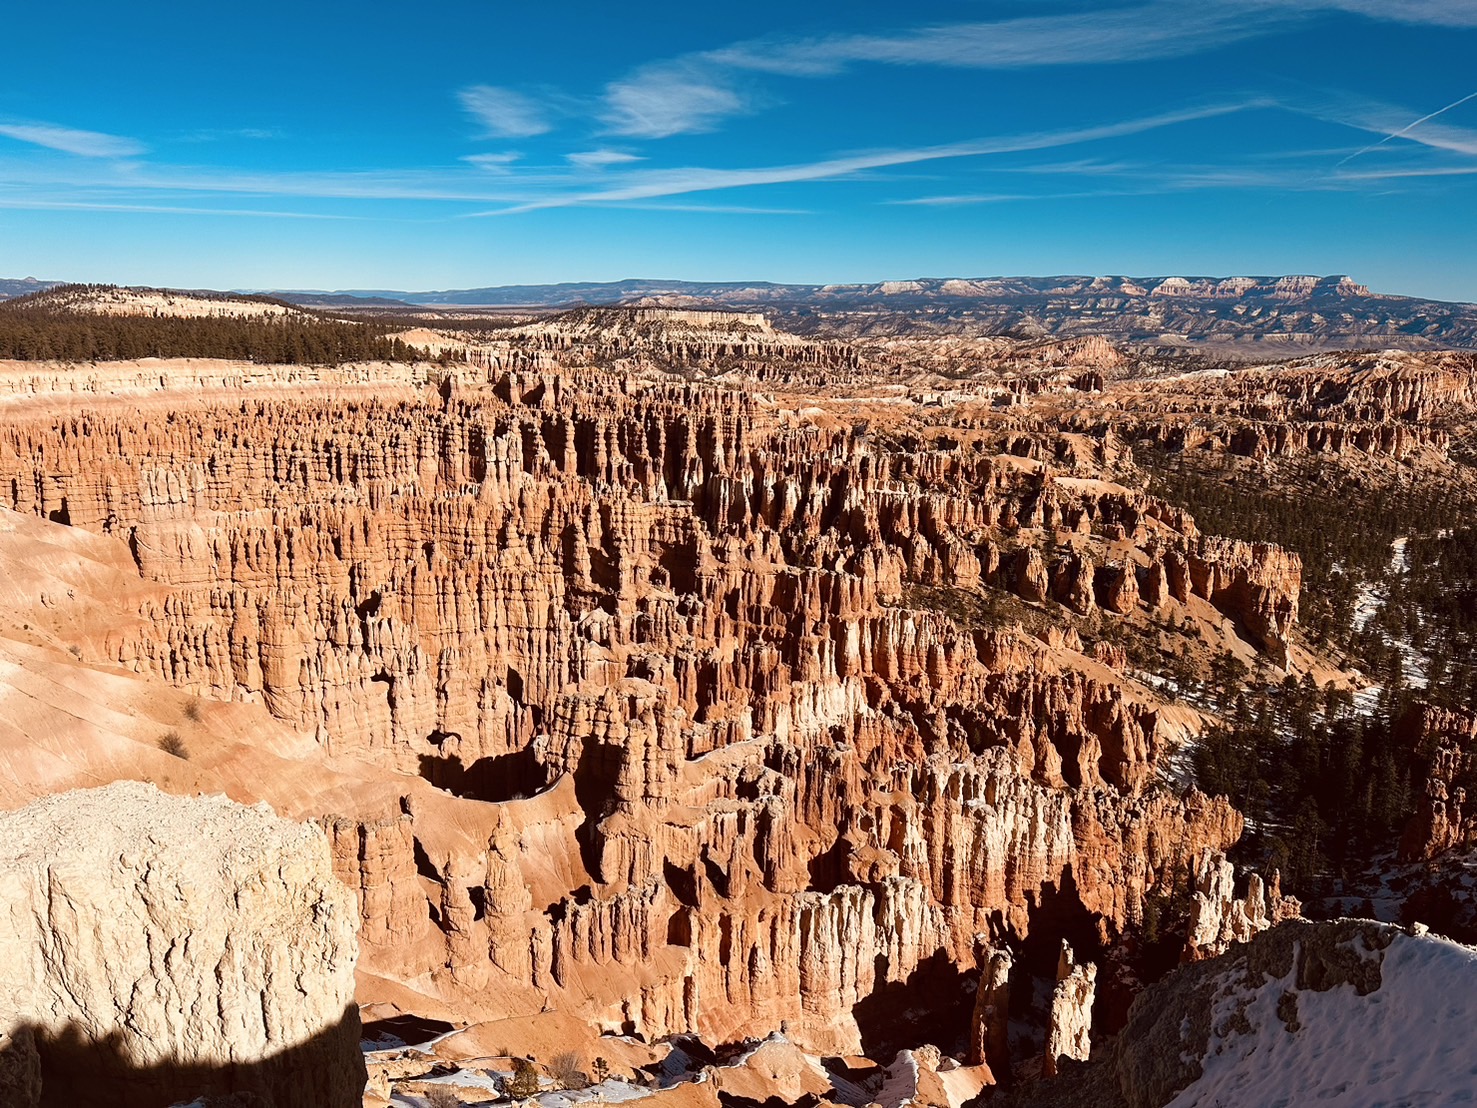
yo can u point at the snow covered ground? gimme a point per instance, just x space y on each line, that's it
1407 1043
1369 601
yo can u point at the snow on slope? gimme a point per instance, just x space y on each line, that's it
1409 1042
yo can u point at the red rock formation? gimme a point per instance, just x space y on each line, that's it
1440 822
1219 919
714 773
989 1024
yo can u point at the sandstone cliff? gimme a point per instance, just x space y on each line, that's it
704 767
686 707
154 948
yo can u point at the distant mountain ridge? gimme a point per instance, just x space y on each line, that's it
604 293
11 287
1240 316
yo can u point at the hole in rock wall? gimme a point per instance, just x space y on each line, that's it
594 790
680 564
828 869
682 882
717 875
423 864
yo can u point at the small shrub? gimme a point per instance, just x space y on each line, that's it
192 711
75 651
565 1069
171 743
441 1096
524 1082
600 1070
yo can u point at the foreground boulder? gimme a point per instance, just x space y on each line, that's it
154 948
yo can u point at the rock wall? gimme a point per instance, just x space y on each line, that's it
1441 822
1310 1012
154 948
762 786
1219 919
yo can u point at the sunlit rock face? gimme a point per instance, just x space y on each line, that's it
764 786
153 948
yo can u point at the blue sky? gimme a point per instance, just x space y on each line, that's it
335 145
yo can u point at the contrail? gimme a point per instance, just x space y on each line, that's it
1409 127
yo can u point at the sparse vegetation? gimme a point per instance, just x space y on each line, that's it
441 1096
1344 543
525 1081
171 743
1325 787
565 1069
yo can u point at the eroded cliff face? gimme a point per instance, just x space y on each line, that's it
1384 404
154 948
764 785
681 706
1449 740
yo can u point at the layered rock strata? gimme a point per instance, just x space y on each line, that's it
705 764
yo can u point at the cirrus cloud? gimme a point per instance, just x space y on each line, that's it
504 112
69 140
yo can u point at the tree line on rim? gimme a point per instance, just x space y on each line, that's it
43 327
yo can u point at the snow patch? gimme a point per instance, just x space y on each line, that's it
1408 1042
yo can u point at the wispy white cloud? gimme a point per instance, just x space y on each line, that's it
714 209
1397 172
1432 135
1155 30
26 204
505 112
965 199
87 144
219 134
493 163
1436 13
1146 32
498 183
696 92
649 184
680 97
600 159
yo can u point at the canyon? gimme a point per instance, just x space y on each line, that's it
656 680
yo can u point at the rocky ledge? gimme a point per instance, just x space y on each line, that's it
153 948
